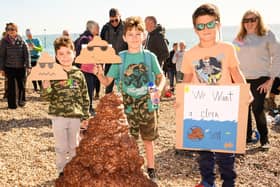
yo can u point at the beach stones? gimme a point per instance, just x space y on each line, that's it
107 155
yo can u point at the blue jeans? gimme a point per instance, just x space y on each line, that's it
171 76
225 162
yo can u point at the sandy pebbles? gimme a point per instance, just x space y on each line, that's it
27 156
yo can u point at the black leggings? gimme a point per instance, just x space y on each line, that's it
19 75
257 107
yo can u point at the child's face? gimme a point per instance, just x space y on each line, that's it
65 56
134 39
208 28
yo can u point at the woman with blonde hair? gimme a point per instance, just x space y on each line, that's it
258 51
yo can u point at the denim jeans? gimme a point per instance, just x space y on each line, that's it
171 76
225 162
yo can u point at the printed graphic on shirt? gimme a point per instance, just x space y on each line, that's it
72 84
136 79
208 69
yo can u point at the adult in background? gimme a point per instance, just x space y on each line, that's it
259 53
92 29
34 47
178 59
14 61
171 68
65 33
155 41
5 78
112 32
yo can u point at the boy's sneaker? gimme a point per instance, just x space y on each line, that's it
92 112
205 184
61 174
152 174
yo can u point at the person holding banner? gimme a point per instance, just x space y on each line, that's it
68 103
212 62
259 53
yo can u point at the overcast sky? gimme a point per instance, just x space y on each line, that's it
52 16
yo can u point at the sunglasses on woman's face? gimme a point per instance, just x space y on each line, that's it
209 25
91 48
250 20
11 29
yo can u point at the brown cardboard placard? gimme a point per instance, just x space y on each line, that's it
212 118
47 69
98 51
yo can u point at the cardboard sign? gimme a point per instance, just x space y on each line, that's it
212 118
97 52
47 69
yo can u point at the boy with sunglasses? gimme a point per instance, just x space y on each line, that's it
69 103
212 62
138 69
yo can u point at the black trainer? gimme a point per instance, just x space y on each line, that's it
61 174
152 174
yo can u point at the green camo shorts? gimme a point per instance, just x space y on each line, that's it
140 119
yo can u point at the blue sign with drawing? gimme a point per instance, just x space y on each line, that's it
210 117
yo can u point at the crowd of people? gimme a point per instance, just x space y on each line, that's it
253 57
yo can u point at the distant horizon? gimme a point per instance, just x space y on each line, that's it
179 28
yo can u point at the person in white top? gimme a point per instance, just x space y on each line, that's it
258 50
178 59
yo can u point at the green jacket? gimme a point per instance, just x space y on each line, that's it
69 98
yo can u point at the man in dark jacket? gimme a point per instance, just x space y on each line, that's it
155 40
112 32
14 61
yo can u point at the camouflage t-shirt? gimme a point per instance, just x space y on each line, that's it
69 98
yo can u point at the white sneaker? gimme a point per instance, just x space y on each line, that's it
266 146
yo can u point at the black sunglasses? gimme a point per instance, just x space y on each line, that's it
11 29
251 20
91 48
114 20
43 65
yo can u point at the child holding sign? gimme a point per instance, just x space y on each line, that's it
69 103
212 62
139 70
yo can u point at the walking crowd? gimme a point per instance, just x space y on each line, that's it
253 57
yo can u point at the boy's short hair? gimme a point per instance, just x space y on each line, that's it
133 21
114 12
63 41
206 9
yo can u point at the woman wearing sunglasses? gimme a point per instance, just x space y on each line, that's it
259 54
212 62
15 61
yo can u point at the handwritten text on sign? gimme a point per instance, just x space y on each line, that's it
218 103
